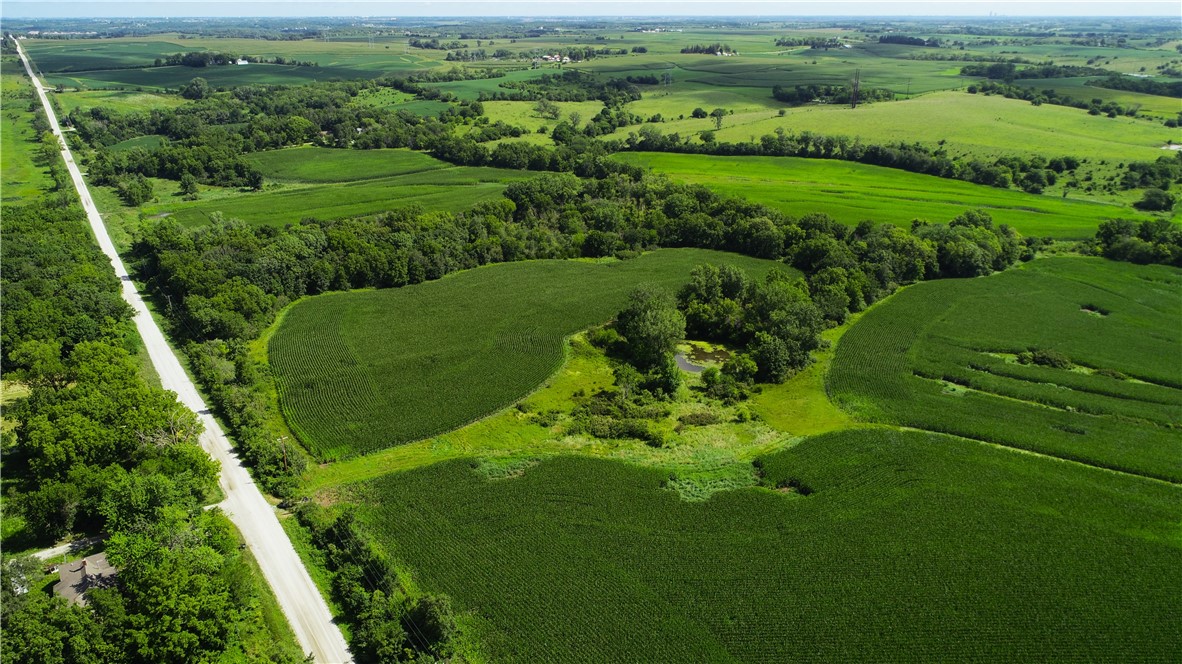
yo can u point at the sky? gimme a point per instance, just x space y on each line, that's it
969 8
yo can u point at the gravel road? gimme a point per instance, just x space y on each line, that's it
305 608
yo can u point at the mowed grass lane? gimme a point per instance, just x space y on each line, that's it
23 178
910 543
941 356
330 184
852 192
361 371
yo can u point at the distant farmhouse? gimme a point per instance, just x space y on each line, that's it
79 576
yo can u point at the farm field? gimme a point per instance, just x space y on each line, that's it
852 192
941 356
969 124
361 371
1165 107
944 443
172 78
351 59
320 165
329 184
119 100
912 542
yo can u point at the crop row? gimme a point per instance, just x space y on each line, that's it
906 539
891 365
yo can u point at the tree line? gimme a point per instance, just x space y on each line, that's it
708 49
1142 85
217 58
828 94
1150 241
1006 71
909 41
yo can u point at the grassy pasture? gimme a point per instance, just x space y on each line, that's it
852 192
22 178
120 100
361 371
940 356
521 113
909 543
1165 107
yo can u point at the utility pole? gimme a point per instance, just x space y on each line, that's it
854 88
281 440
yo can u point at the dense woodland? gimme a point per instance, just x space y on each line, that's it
96 449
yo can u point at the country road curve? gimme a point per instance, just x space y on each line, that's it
301 601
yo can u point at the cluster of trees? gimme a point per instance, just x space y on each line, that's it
812 42
1006 71
1157 241
477 54
436 45
961 56
828 94
1162 173
574 53
217 163
96 449
198 88
569 85
1143 85
1094 106
215 58
645 79
909 41
775 322
651 326
708 49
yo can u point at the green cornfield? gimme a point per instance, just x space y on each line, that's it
942 356
909 546
361 371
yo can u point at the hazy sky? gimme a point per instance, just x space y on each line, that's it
113 8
